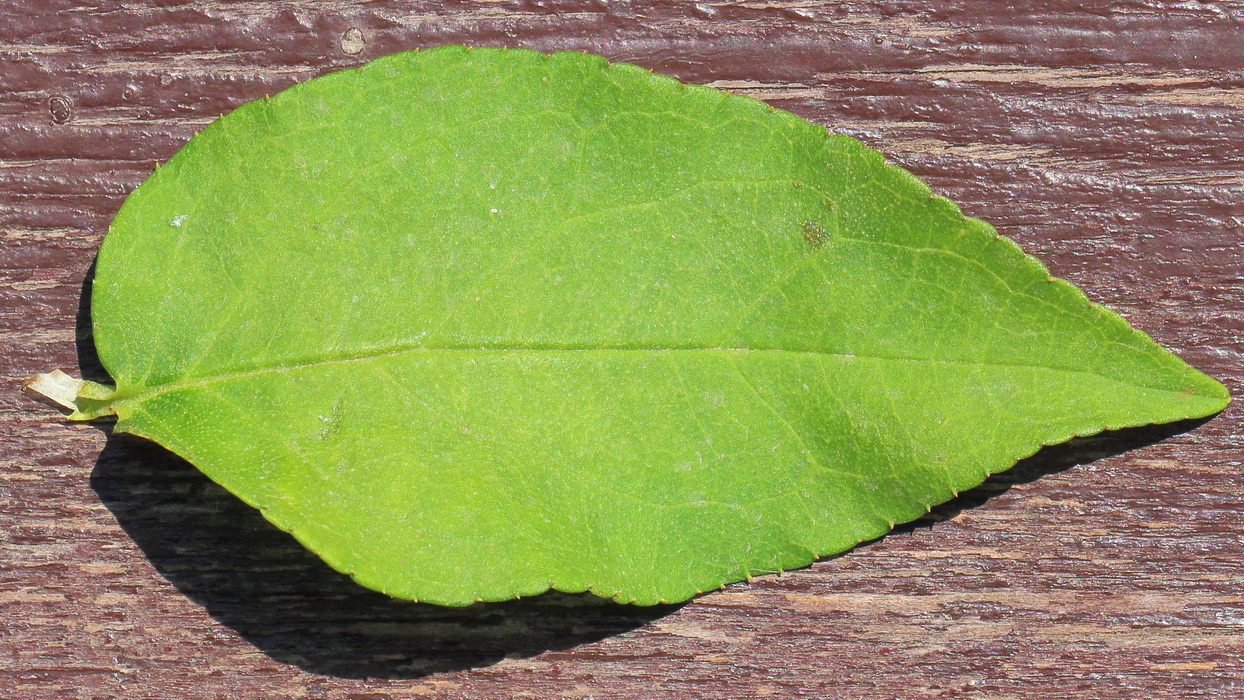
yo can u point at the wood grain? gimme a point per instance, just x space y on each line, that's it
1107 140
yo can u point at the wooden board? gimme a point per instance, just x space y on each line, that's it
1107 139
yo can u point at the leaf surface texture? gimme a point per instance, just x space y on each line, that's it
476 323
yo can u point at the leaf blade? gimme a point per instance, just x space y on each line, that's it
673 339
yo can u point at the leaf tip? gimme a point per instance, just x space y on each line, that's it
1203 395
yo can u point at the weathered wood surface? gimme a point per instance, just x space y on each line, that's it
1107 139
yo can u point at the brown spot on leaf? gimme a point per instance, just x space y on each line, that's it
814 233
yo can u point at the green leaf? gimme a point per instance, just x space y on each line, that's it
472 324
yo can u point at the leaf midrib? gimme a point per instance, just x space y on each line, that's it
378 353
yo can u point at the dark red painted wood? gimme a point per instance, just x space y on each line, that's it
1106 138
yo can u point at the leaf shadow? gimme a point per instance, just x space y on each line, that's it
260 582
1051 459
257 580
